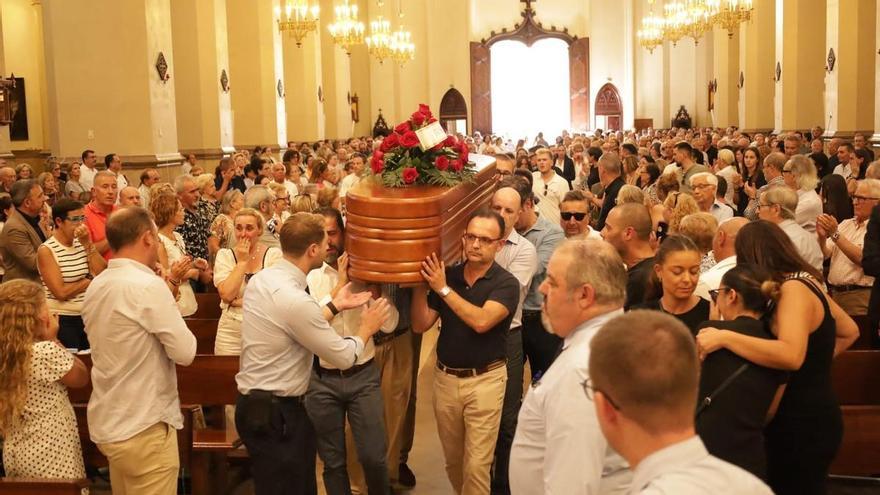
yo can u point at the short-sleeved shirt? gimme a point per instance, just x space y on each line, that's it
460 346
96 222
195 230
692 318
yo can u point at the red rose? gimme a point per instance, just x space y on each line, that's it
378 155
409 139
442 163
409 175
457 165
389 142
450 141
418 118
377 165
432 120
425 110
403 127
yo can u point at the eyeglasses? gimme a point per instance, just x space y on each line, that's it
577 215
589 390
714 293
77 218
484 241
285 198
864 198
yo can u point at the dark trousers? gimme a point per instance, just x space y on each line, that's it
409 422
539 346
72 332
282 449
330 399
509 412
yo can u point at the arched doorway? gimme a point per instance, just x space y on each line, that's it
453 112
609 110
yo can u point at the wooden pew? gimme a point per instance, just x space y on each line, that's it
205 331
38 486
209 306
854 376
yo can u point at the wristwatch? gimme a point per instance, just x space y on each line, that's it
444 291
835 236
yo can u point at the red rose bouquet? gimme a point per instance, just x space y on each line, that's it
401 159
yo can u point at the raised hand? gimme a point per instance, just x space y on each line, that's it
374 315
342 265
243 250
434 272
346 299
82 234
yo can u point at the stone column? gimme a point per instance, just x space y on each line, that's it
757 65
849 89
204 107
800 55
725 55
302 79
257 71
105 91
336 76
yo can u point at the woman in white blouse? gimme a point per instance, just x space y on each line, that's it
800 174
168 213
233 268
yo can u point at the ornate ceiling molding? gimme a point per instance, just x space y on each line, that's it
529 30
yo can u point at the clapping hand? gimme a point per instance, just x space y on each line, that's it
346 299
180 268
750 190
826 224
434 272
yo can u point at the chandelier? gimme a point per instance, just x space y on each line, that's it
729 14
380 38
698 19
300 19
651 34
347 30
402 48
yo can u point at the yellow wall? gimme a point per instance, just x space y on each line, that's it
22 32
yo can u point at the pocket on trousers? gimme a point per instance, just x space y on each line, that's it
256 413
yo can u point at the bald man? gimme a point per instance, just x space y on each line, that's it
725 255
129 196
7 178
628 229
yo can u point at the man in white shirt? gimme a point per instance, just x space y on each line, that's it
88 170
723 249
282 327
845 153
149 177
643 378
279 175
843 243
548 186
353 393
517 256
114 164
356 171
558 447
136 339
704 185
777 205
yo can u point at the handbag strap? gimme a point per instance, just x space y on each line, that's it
707 401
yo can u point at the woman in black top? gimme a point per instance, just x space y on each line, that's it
677 270
810 330
741 394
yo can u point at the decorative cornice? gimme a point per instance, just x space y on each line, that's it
529 31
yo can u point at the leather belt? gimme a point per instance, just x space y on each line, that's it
848 288
471 372
283 399
383 338
343 373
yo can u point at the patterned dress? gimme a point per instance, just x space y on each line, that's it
45 442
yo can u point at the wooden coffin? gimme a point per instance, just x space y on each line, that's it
390 231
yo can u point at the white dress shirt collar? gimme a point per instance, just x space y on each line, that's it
668 459
587 329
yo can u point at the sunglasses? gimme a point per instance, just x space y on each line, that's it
568 215
714 293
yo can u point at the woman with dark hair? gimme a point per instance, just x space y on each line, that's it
858 165
752 179
810 329
835 199
649 172
677 271
731 418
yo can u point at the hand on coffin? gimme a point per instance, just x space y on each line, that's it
375 315
346 299
434 272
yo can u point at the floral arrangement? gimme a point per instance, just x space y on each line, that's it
401 161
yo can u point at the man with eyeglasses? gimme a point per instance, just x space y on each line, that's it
24 231
843 244
643 377
575 213
548 185
778 205
704 186
558 447
476 301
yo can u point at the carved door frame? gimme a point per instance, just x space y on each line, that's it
609 104
453 107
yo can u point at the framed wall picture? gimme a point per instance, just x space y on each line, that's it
18 129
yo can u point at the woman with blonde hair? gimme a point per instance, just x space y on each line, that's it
207 190
72 188
328 197
677 206
50 187
800 174
41 439
630 169
168 214
630 194
302 202
281 203
222 228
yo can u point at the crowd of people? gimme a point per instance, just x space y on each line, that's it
678 296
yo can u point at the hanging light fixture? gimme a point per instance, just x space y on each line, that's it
346 29
651 34
402 48
300 19
380 38
698 17
675 21
729 14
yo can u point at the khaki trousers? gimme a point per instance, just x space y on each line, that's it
395 362
468 412
853 302
145 464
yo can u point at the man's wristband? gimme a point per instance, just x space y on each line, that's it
332 308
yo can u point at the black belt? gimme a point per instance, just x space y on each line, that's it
471 372
383 338
342 373
531 313
848 288
282 399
